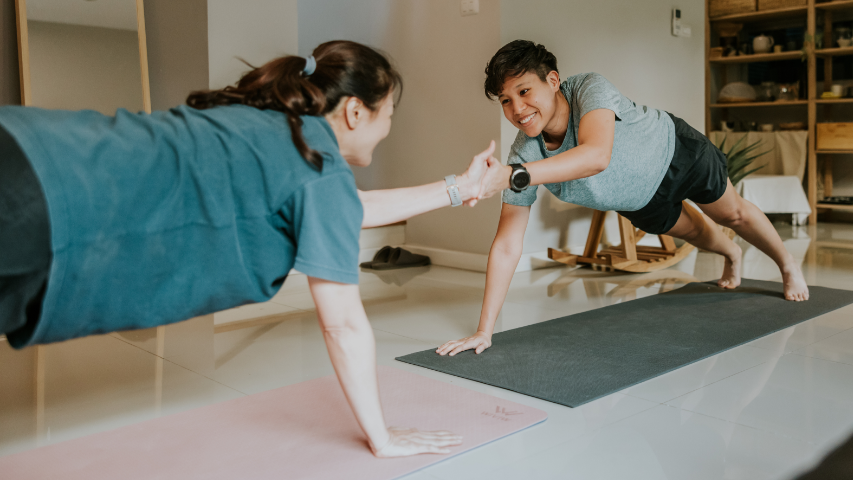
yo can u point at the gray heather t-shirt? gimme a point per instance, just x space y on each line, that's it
643 146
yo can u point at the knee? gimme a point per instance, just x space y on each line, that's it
732 218
696 231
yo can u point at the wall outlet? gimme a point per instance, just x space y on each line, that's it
470 7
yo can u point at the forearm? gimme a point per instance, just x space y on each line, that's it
580 162
383 207
352 350
502 263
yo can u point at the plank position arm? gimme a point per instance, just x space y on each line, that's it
596 132
503 258
352 349
383 207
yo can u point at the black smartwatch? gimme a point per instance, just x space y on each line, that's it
519 179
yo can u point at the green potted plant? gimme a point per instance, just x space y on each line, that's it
738 161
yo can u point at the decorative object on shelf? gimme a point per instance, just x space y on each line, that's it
728 29
719 8
762 44
739 159
766 127
838 200
777 48
788 126
844 36
829 96
767 92
737 92
788 92
728 32
716 52
838 90
777 4
727 127
835 136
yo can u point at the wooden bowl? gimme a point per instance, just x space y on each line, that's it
792 126
728 29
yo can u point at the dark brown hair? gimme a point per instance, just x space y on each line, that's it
515 59
344 69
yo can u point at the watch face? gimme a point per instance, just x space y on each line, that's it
520 179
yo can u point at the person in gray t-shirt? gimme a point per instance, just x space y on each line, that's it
590 145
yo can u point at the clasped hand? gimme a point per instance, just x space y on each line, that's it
485 177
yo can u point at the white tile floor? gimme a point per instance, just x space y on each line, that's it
768 409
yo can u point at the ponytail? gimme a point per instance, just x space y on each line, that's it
344 69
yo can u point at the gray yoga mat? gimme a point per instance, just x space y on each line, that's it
576 359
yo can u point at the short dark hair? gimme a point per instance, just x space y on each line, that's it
515 59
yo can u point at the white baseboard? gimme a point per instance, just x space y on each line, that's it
478 262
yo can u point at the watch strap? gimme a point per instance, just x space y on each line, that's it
453 191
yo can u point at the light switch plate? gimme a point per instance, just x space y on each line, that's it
470 7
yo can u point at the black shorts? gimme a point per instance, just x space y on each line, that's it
25 253
698 172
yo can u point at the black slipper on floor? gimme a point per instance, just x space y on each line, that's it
402 259
382 256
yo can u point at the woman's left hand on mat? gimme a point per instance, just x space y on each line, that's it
479 342
404 442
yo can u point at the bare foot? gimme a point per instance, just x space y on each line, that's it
731 271
796 289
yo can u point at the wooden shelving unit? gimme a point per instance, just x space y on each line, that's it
814 14
790 12
835 5
761 104
833 206
834 52
760 57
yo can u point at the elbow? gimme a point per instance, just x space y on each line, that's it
602 162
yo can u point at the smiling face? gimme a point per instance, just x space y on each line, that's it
530 103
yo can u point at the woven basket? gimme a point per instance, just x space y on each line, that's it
777 4
718 8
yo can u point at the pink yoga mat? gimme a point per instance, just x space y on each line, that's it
296 432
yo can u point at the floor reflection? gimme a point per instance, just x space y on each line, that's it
58 392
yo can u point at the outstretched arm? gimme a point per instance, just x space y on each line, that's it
383 207
592 156
352 349
503 258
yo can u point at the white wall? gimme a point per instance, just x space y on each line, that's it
254 30
443 118
627 41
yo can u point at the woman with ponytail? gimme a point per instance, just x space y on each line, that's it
134 221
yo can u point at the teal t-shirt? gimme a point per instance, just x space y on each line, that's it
162 217
643 146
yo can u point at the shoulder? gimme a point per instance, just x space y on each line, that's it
586 80
524 149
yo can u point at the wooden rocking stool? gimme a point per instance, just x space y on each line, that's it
628 256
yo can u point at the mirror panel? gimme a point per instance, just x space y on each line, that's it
85 54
